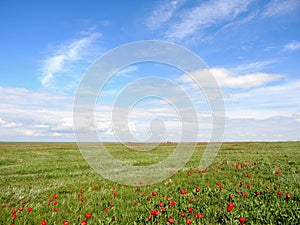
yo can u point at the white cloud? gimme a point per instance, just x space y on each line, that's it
62 60
280 7
292 46
162 14
228 79
207 14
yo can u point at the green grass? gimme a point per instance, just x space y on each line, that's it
35 172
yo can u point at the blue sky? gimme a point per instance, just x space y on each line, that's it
252 48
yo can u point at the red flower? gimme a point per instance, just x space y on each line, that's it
44 222
148 198
161 204
244 194
162 209
249 186
88 215
66 223
184 192
171 220
189 221
154 193
191 200
29 209
230 206
55 209
221 187
83 222
268 187
172 203
182 214
23 202
82 199
197 189
198 216
190 210
55 203
287 195
242 220
95 187
13 211
106 210
277 172
115 194
154 212
55 197
257 193
20 209
14 216
279 192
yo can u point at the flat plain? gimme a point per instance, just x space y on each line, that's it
248 183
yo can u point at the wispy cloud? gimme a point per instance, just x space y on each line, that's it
205 15
162 14
63 58
280 7
292 46
229 79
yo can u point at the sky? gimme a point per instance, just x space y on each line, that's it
251 47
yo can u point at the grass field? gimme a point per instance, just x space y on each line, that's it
248 183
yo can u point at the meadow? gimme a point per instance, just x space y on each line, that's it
248 183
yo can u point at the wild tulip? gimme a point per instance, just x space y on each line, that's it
182 214
277 172
23 202
83 222
189 221
20 209
154 193
190 210
55 209
171 220
287 195
198 189
172 203
244 194
184 192
115 194
242 220
230 206
66 223
44 222
29 209
88 215
13 211
198 216
279 192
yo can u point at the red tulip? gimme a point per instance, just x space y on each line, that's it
242 220
88 215
29 209
44 222
171 220
189 221
230 206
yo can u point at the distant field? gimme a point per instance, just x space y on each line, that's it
50 183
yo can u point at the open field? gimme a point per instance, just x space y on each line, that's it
50 183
